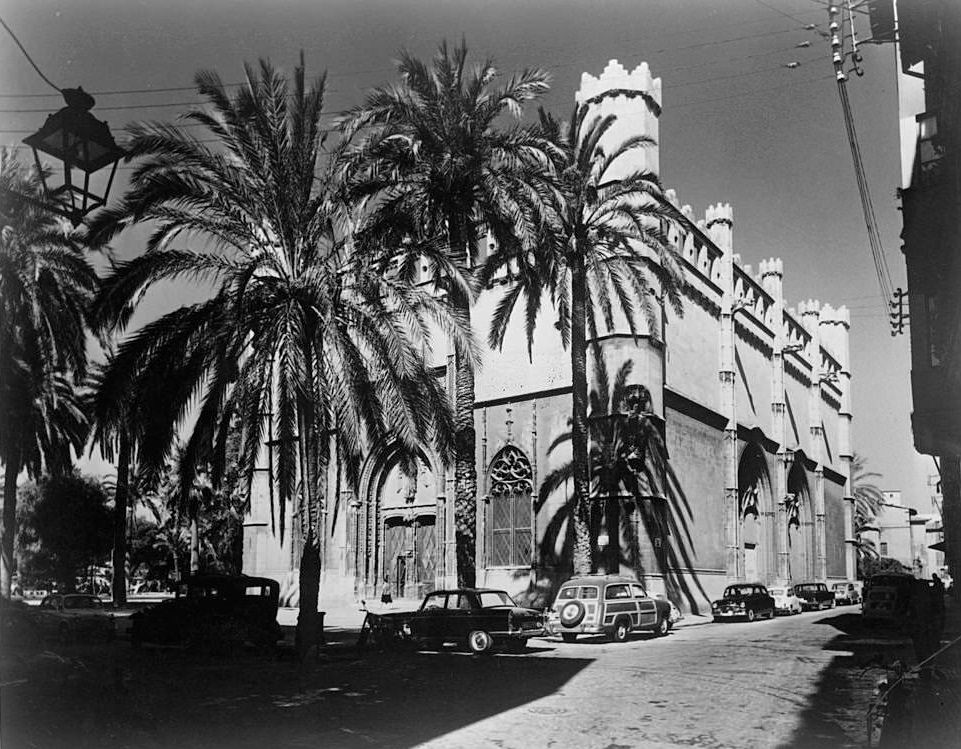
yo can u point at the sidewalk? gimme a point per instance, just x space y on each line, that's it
927 711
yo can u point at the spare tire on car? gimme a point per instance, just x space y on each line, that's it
572 613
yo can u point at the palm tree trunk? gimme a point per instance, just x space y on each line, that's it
194 541
465 475
12 463
465 458
582 540
311 562
120 502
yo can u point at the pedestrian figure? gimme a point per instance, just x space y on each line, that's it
385 597
937 593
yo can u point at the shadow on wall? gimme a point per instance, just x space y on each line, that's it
637 501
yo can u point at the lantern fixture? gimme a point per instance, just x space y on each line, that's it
80 141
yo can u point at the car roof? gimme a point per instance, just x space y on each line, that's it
599 579
467 590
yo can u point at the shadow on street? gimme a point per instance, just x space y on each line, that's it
837 710
113 696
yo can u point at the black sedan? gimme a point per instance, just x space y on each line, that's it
483 619
744 601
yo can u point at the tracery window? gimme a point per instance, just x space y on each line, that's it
510 515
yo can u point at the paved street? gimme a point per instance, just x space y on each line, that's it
789 682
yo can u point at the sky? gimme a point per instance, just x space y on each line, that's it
741 123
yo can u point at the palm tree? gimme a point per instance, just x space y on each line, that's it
596 230
436 161
300 337
868 501
45 287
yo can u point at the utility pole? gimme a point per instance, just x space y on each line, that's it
898 315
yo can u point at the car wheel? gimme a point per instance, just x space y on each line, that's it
662 628
479 642
622 628
751 615
771 614
569 636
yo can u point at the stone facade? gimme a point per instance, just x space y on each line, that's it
747 475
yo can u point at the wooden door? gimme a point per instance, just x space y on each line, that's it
394 555
425 553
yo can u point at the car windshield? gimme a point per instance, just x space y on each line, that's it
82 602
840 586
776 591
491 598
806 587
738 590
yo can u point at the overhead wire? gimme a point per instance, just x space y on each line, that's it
29 58
882 271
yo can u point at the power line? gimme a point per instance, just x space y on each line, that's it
29 58
698 45
161 105
867 206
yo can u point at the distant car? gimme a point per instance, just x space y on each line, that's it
785 600
744 601
614 605
213 611
846 593
71 616
814 596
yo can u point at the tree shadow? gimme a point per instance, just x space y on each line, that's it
636 497
129 698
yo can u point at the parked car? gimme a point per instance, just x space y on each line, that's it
19 632
213 611
606 604
744 601
886 596
846 593
481 618
814 596
71 616
785 600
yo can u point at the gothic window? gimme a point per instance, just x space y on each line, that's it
510 516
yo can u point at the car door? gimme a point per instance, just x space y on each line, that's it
425 623
462 616
646 608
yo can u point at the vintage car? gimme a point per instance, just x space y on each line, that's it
606 604
814 596
886 597
213 611
846 593
785 600
744 601
71 616
481 618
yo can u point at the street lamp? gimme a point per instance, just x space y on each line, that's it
79 140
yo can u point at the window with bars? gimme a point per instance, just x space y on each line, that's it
510 516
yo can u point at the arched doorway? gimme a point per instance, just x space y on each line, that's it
755 514
398 528
800 522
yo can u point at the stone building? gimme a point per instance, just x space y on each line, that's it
747 454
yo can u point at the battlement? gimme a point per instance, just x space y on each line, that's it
839 316
772 267
720 213
617 77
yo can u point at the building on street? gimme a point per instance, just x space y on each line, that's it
743 407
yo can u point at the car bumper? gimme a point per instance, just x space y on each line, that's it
556 628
